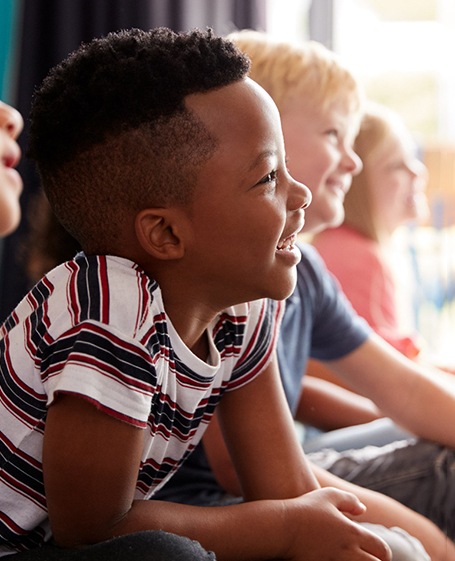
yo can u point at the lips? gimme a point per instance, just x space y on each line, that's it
287 243
11 157
8 161
345 185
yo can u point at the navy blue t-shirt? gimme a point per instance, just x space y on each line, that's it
319 322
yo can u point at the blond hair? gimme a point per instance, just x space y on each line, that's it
379 123
289 71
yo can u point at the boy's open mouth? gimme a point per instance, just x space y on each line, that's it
287 243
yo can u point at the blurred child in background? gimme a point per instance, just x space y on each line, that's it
389 192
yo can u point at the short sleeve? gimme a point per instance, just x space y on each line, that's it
261 331
337 329
94 362
318 322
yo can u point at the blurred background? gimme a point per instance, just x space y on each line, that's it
400 49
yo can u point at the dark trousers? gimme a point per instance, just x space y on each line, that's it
141 546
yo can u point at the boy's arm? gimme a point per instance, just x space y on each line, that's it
90 465
417 398
328 406
265 450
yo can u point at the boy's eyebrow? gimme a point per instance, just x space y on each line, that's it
263 156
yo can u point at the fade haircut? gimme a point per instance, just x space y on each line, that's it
110 132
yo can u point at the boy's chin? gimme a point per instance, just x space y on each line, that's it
337 218
284 291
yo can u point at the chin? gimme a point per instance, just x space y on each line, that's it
9 223
331 218
326 225
337 217
285 290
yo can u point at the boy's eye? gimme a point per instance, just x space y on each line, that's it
333 133
272 176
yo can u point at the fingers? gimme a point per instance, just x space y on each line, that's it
345 502
374 546
344 539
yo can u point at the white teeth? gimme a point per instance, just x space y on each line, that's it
287 243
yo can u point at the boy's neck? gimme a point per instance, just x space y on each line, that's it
185 302
191 323
186 305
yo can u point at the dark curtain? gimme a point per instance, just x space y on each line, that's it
50 30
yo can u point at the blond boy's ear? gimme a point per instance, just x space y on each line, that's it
158 232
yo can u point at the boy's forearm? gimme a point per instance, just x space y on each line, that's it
307 528
429 411
432 415
328 406
247 531
417 398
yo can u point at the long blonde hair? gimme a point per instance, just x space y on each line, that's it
378 124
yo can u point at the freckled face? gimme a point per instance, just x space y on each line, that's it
247 209
319 151
10 181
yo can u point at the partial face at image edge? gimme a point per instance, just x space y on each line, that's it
11 125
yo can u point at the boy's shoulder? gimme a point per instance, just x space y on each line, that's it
106 289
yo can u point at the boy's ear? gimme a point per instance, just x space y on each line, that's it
157 230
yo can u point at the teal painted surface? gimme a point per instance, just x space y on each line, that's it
8 27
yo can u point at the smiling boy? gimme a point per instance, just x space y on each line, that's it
167 164
320 105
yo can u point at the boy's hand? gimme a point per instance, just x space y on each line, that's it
320 530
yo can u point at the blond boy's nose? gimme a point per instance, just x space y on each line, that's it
354 163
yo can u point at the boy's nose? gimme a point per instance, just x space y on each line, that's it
301 195
352 162
10 120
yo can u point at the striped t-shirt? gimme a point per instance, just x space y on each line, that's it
96 327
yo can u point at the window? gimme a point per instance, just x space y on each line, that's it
402 51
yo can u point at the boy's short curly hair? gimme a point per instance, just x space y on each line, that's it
110 131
